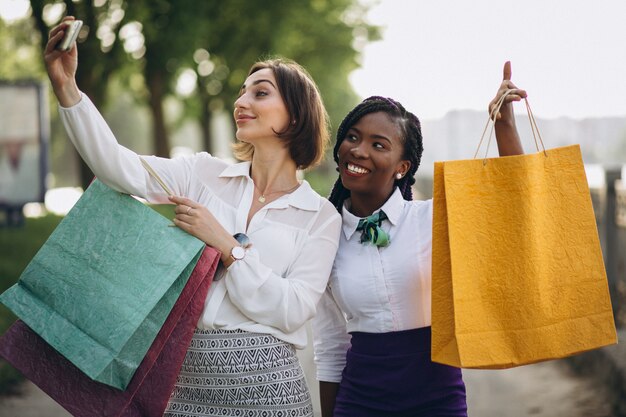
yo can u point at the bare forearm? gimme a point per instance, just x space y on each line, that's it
328 395
501 108
68 94
509 142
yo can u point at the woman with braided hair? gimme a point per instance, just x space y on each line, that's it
372 329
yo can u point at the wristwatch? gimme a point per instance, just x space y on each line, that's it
239 252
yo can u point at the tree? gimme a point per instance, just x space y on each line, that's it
218 40
320 35
101 52
170 30
20 58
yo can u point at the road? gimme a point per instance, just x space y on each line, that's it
547 389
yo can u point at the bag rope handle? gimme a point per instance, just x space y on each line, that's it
492 118
158 179
154 175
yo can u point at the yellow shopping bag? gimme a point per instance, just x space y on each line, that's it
518 275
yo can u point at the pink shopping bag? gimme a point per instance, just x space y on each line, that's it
149 390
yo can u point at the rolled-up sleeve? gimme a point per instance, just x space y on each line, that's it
330 339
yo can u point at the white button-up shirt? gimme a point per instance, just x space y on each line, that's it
375 289
276 287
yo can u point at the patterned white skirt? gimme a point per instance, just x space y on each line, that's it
237 373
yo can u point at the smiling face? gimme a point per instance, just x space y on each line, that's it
260 111
370 156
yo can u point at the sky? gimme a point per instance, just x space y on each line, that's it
442 55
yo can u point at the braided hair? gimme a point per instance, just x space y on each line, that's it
411 136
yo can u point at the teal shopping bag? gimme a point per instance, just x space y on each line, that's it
100 288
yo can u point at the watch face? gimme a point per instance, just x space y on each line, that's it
238 252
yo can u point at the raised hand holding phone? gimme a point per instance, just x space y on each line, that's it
61 65
71 33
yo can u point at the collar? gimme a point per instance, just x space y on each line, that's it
304 197
241 169
392 207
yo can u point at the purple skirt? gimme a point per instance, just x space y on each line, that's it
391 374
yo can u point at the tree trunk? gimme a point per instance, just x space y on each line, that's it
205 122
156 87
94 92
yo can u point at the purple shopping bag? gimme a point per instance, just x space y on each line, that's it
149 390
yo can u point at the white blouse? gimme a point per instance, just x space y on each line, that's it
375 289
276 287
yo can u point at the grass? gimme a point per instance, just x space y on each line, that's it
17 248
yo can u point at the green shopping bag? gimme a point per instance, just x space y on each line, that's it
102 285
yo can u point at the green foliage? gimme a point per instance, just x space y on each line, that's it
21 56
17 247
318 34
171 33
101 52
325 36
321 38
321 180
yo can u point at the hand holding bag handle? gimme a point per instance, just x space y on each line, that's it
517 271
492 120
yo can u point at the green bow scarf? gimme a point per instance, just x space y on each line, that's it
371 231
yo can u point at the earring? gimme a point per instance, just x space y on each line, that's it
398 176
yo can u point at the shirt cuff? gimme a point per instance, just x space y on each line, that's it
329 374
80 102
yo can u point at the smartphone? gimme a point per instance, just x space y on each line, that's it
71 33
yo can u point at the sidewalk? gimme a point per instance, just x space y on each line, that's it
607 366
547 389
31 402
